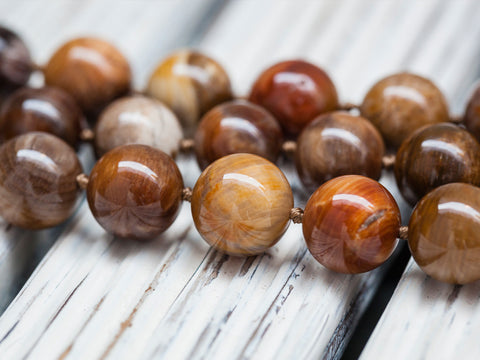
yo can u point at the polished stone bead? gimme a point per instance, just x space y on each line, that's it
295 92
135 191
190 83
15 61
241 204
137 120
434 156
237 127
336 144
38 187
402 103
443 233
472 114
351 224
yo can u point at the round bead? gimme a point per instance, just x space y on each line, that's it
135 191
472 114
351 224
338 144
443 233
241 204
138 120
38 187
190 83
15 61
237 127
434 156
46 109
400 104
295 92
93 71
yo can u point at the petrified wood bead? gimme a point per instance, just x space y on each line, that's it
402 103
46 109
135 191
237 127
351 224
434 156
93 71
241 204
443 233
15 61
472 114
38 187
295 92
190 83
336 144
137 120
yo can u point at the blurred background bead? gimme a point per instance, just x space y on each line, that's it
38 187
135 191
472 114
237 127
15 61
137 120
336 144
93 71
295 92
434 156
351 224
241 204
190 83
443 233
46 109
400 104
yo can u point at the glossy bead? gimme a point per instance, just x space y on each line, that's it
434 156
241 204
93 71
38 187
138 120
443 233
46 109
135 191
472 114
336 144
402 103
295 92
15 61
351 224
190 84
237 127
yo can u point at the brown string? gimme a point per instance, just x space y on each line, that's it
187 145
82 181
289 147
403 233
87 135
348 106
36 67
187 194
296 215
456 119
388 161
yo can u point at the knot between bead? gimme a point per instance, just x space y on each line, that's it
82 181
187 194
187 145
403 233
296 215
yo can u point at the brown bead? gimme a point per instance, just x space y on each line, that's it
351 224
338 144
138 120
402 103
46 109
434 156
295 92
189 83
241 204
472 114
93 71
135 191
443 233
15 61
237 127
38 187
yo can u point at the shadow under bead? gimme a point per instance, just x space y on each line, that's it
434 156
237 127
45 109
295 92
402 103
472 114
241 204
38 187
190 83
443 233
93 71
15 61
351 224
135 191
336 144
